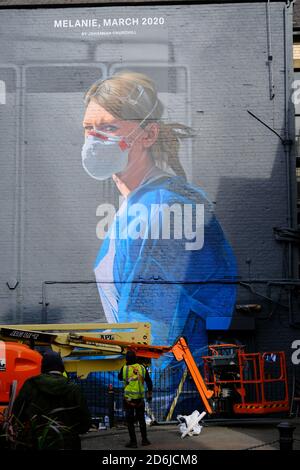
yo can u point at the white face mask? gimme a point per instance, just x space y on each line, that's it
104 154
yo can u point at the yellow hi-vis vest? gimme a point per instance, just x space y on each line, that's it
134 377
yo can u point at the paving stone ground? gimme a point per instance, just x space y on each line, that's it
168 437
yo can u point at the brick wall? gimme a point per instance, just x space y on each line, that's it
296 19
49 205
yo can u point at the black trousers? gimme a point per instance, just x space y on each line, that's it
132 413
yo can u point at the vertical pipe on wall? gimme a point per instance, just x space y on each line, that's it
270 55
16 188
287 22
19 196
287 141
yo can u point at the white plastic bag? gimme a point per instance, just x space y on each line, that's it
189 424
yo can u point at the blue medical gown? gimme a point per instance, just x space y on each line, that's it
141 279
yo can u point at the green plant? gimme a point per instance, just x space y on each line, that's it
39 433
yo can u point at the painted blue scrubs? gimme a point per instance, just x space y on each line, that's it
151 279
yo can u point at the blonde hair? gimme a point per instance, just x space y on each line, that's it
133 96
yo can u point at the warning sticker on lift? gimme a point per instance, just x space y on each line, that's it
2 356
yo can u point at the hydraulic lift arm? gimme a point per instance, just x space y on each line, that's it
101 347
82 340
179 349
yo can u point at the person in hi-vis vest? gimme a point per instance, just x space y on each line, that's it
135 376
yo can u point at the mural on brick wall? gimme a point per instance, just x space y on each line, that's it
165 258
139 183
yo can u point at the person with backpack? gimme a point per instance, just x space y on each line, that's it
50 411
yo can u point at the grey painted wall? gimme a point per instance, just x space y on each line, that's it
48 210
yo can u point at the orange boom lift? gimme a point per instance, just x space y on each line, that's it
233 382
